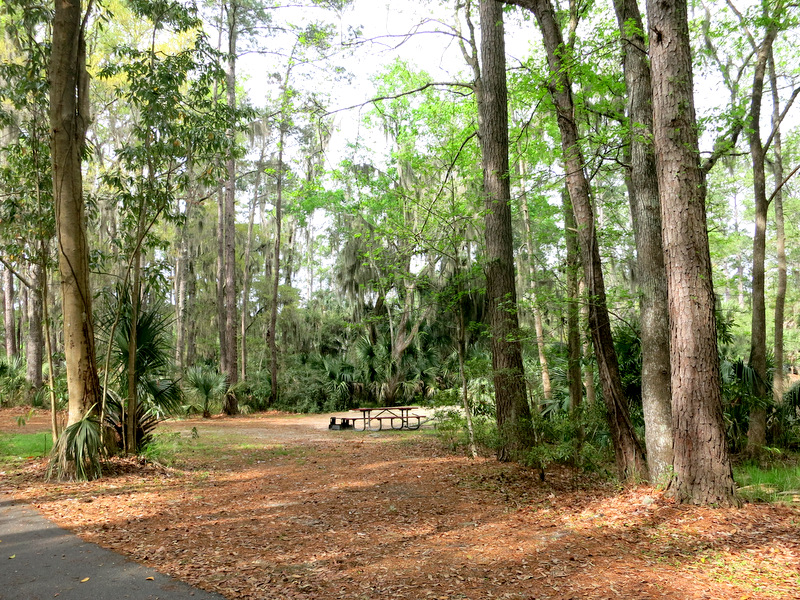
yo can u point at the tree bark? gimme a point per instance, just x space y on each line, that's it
276 268
230 403
642 184
8 313
573 308
702 467
513 412
757 431
780 236
627 450
69 116
35 346
220 287
247 252
547 389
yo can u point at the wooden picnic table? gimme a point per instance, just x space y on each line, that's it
398 417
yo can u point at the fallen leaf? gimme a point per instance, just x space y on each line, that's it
84 580
13 556
151 579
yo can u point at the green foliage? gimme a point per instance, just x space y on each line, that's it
159 395
205 387
76 455
14 388
451 428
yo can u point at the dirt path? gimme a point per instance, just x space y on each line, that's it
279 507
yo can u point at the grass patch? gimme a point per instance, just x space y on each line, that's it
17 447
212 450
776 483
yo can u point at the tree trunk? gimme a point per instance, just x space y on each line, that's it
702 467
69 116
35 347
573 308
221 315
8 313
513 412
276 268
628 452
230 404
780 237
642 184
191 326
757 431
547 389
247 252
180 303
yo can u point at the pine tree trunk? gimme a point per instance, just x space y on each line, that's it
513 412
230 403
69 116
702 467
642 184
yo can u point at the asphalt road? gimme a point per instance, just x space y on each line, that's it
40 560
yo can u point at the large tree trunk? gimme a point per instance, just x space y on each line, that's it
8 314
757 431
642 184
780 236
69 116
513 412
702 467
230 404
628 452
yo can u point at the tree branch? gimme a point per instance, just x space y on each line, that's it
402 94
22 278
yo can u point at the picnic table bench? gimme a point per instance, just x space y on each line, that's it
373 419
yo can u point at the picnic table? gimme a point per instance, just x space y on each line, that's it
373 419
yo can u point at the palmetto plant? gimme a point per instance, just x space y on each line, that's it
159 395
76 455
13 384
204 385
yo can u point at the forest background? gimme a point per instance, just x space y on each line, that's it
284 236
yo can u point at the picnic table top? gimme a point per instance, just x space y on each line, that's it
387 408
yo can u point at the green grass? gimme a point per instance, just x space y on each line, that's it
777 483
212 449
16 447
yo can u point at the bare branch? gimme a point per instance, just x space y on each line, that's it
782 183
406 93
777 124
19 275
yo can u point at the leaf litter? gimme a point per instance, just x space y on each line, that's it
300 512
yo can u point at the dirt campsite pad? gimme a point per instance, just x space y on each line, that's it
279 507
